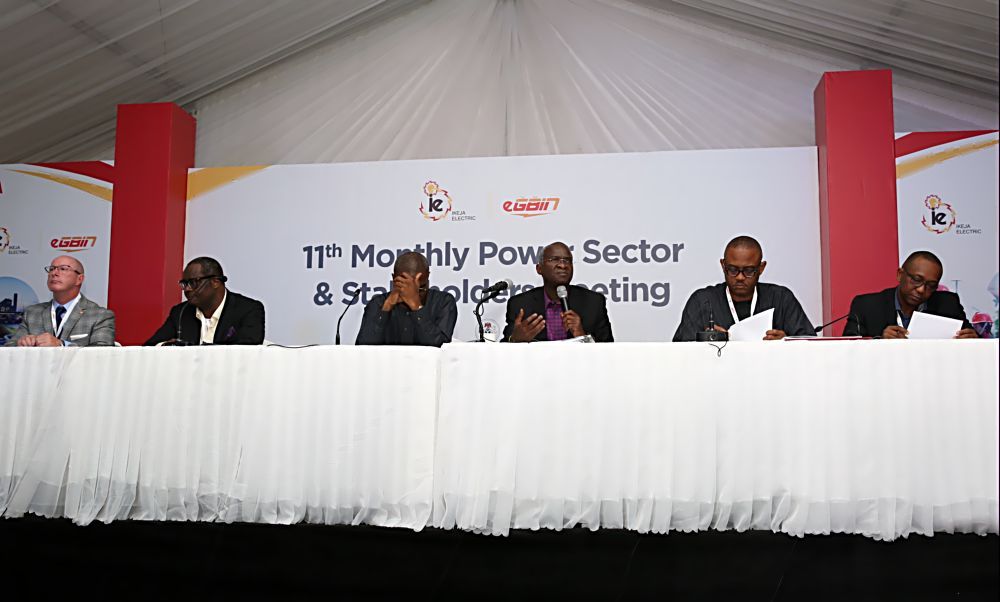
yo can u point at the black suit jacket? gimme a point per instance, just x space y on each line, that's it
591 306
240 323
871 313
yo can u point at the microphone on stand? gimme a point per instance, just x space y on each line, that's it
819 329
493 290
488 294
710 334
354 297
179 342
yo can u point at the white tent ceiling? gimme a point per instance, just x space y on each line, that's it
281 81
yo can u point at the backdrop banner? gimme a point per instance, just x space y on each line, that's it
45 213
947 196
646 229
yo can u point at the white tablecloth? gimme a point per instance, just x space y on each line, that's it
881 438
327 434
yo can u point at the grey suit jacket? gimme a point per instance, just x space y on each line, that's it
88 325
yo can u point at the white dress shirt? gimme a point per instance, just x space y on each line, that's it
208 325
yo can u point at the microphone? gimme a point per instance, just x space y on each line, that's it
831 322
848 315
563 295
354 297
503 285
488 294
180 323
710 334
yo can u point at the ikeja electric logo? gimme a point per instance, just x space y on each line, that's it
73 244
531 207
940 217
438 202
4 239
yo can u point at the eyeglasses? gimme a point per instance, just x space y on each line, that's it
748 272
194 283
919 282
62 268
558 260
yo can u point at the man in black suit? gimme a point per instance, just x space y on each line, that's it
887 314
537 314
211 315
741 296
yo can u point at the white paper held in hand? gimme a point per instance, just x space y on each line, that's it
753 328
928 326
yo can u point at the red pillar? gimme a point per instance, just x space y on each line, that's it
857 187
154 148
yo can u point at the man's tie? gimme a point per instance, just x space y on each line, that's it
60 312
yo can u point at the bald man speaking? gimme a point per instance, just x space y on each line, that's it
69 319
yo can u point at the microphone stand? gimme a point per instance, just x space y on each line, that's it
479 314
336 339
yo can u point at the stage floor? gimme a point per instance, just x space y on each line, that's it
158 560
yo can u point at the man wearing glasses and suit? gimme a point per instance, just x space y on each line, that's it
742 296
70 319
539 314
887 314
210 314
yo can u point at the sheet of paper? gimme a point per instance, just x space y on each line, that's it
929 326
753 328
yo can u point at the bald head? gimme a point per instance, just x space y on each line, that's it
558 248
926 256
69 260
744 243
411 263
65 278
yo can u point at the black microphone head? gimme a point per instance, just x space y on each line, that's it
505 284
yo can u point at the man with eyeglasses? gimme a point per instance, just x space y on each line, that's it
538 315
411 313
70 319
887 314
211 314
741 296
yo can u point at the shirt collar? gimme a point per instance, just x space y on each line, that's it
69 305
216 313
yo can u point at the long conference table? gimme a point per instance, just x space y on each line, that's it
878 438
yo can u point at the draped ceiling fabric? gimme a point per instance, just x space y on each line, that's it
275 81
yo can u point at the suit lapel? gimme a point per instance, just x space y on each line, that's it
46 318
225 319
891 317
69 322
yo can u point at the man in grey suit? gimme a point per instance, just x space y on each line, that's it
70 319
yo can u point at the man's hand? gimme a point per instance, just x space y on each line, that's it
27 340
47 340
894 332
571 322
392 299
525 329
967 333
720 329
774 335
409 289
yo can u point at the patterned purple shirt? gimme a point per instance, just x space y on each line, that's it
553 320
